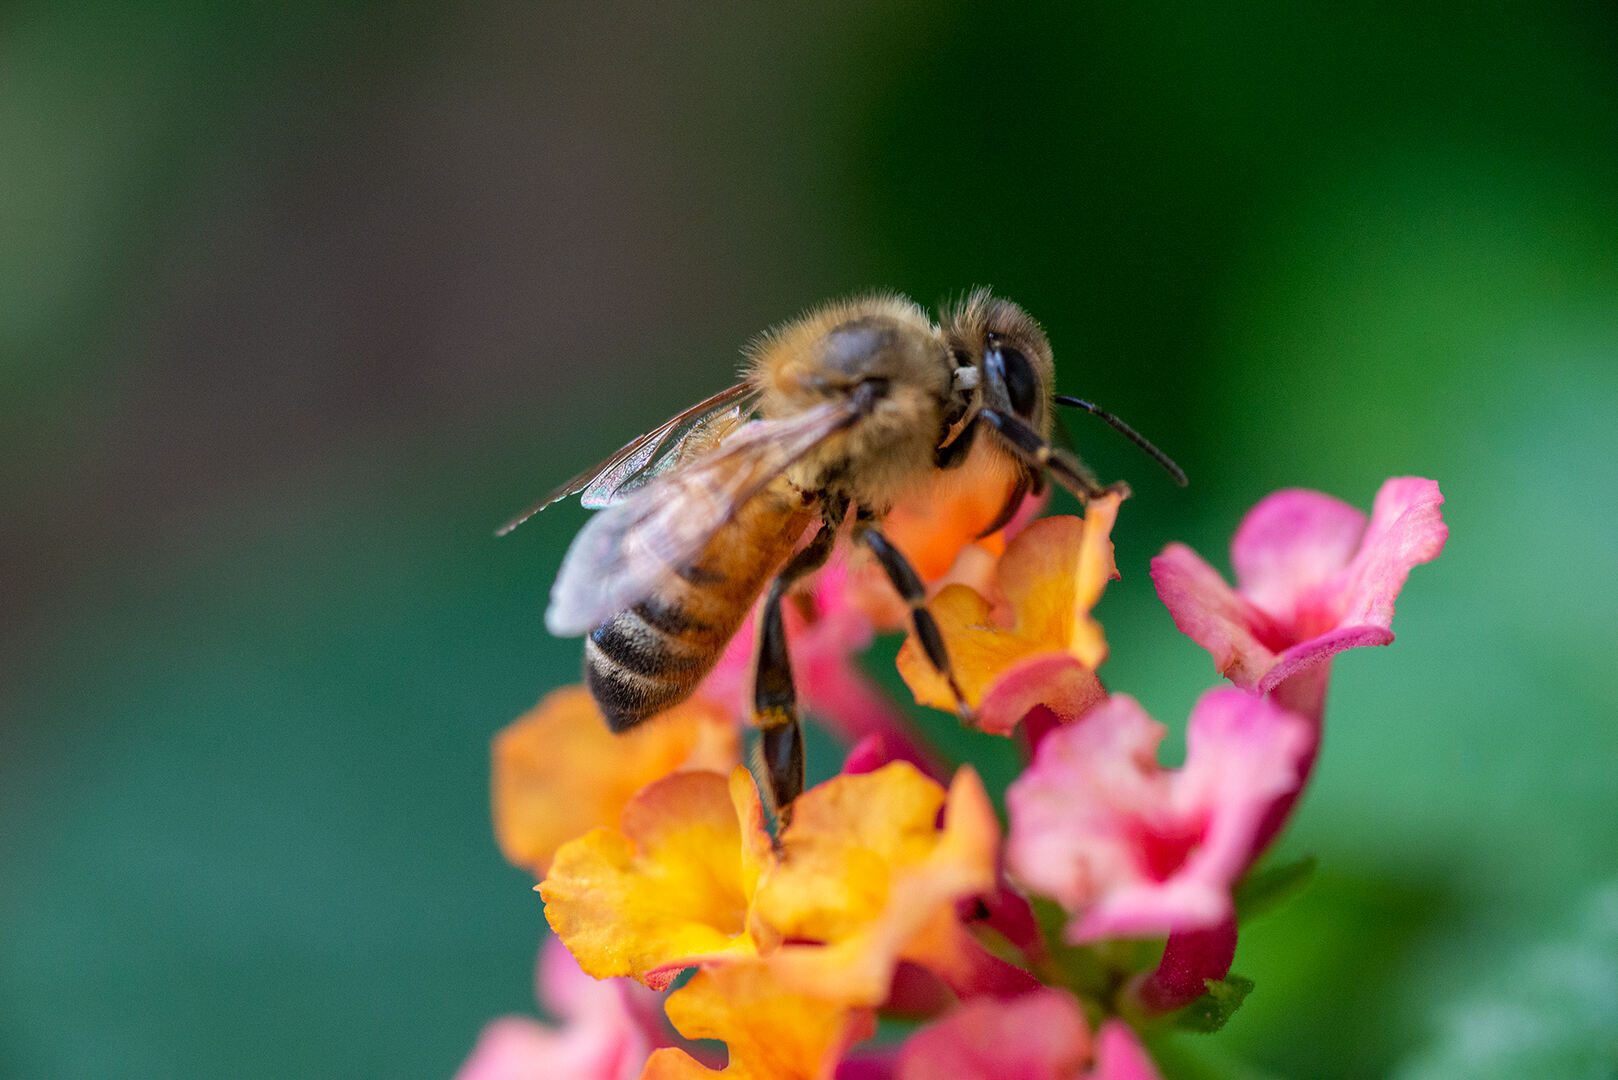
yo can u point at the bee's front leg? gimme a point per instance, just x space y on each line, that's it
778 761
909 587
1067 469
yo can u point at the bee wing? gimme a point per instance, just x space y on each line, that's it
624 552
632 466
684 439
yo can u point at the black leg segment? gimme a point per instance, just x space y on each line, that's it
908 585
775 698
1068 470
780 753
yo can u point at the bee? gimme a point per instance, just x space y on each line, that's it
848 409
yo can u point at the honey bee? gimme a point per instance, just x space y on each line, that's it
852 407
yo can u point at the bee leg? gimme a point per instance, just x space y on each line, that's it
908 585
1068 470
779 754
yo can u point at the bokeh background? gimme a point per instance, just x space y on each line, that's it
297 301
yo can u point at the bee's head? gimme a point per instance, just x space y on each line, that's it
1011 358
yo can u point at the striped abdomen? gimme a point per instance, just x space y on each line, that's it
654 655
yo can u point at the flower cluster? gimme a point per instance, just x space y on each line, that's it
1052 947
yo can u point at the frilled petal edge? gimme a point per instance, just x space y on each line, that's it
1318 650
1212 614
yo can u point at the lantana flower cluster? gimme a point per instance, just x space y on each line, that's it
1052 944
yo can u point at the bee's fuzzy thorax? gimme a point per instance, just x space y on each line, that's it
825 355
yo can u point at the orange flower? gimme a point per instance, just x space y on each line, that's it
958 505
863 878
938 531
771 1032
1045 651
558 771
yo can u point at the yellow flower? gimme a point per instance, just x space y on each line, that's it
558 771
673 886
1047 647
863 878
771 1032
866 874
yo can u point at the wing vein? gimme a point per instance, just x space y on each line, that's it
633 465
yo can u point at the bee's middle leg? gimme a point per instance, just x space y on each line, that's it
908 584
775 698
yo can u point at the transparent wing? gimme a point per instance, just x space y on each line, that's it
624 552
654 453
689 438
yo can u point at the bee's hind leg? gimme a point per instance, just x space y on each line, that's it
908 584
778 761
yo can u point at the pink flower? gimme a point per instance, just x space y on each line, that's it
1120 1056
1313 578
1040 1035
609 1027
1136 850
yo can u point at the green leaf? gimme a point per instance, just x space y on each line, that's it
1264 890
1213 1010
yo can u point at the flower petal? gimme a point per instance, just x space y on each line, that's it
670 1063
559 772
1097 565
516 1048
1135 850
823 628
672 886
848 838
1290 544
978 650
1318 650
1210 613
568 993
867 873
1037 1036
1057 681
1050 577
1120 1056
944 946
1407 528
604 1037
772 1033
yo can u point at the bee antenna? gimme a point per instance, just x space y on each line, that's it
1129 433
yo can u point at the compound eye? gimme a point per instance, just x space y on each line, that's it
1022 385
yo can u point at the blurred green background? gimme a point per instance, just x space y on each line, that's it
298 301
